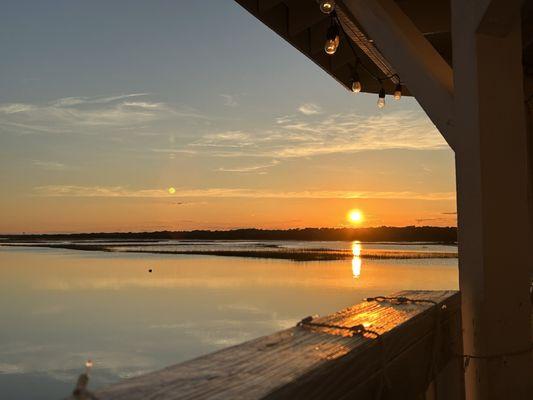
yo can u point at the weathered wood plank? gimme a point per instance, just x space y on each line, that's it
317 362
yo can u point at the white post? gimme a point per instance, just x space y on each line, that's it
491 165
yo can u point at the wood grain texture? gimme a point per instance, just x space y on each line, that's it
325 363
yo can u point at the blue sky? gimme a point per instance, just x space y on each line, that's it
105 105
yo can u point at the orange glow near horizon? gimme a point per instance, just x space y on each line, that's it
172 212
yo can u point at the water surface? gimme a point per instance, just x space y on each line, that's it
59 307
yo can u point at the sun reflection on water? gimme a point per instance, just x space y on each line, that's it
356 260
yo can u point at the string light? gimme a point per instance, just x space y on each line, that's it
332 44
356 83
327 6
381 98
398 92
332 38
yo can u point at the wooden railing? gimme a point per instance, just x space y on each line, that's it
402 347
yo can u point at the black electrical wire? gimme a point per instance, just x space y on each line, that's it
357 59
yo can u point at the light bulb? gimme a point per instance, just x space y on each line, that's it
332 40
381 98
398 92
356 84
331 46
327 6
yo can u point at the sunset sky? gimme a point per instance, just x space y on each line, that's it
103 108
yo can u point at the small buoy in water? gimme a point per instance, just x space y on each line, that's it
88 366
150 270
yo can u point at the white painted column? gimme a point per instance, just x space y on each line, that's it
492 173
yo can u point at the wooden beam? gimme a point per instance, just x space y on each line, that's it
313 362
265 5
499 17
302 15
430 17
419 65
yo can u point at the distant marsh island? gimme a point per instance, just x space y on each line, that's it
293 244
432 234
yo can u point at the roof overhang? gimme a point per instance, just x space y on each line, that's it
303 25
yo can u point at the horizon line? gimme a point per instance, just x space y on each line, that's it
222 230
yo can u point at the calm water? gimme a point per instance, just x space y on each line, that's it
61 307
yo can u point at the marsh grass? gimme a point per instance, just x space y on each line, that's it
294 254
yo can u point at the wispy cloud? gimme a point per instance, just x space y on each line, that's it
89 114
49 165
436 220
343 133
229 136
443 218
231 139
310 109
190 203
143 104
250 168
74 101
14 108
175 151
229 100
120 191
293 137
284 119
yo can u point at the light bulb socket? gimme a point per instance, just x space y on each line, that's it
382 93
398 92
333 32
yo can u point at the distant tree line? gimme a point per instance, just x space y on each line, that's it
377 234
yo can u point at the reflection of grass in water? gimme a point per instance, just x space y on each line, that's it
320 254
313 255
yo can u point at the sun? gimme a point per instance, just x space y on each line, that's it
171 190
355 216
